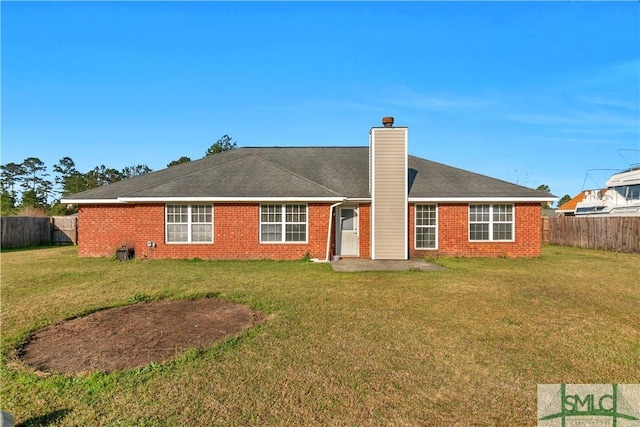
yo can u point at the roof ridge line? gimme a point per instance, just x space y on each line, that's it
299 176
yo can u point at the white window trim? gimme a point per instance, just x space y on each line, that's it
491 223
415 226
284 223
189 224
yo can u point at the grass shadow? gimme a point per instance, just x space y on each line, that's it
32 248
46 419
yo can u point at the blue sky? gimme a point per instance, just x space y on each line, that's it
532 93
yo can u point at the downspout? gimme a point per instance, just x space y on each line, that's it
330 229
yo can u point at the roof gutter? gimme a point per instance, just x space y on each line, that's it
330 228
339 200
482 199
123 200
91 201
228 199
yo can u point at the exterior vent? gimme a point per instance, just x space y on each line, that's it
387 122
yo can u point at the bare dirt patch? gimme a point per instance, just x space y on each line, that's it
136 335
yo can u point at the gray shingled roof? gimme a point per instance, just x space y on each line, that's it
429 179
299 172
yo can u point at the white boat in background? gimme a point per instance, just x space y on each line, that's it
620 198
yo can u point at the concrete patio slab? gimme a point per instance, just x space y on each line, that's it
354 264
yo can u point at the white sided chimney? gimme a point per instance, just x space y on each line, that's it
388 170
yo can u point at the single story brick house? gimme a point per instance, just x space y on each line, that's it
373 202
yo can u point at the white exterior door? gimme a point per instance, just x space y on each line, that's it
347 240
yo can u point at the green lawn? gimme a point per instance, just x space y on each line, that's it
466 346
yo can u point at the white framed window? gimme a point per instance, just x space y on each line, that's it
283 223
491 223
189 223
426 227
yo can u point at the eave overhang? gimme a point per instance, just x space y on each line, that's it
482 199
91 201
134 200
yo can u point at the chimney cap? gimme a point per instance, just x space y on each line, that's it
387 122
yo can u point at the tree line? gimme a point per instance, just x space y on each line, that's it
564 199
28 186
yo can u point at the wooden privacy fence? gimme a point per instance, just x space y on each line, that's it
24 231
64 230
618 233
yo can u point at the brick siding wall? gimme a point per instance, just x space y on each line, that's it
453 230
104 228
364 211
